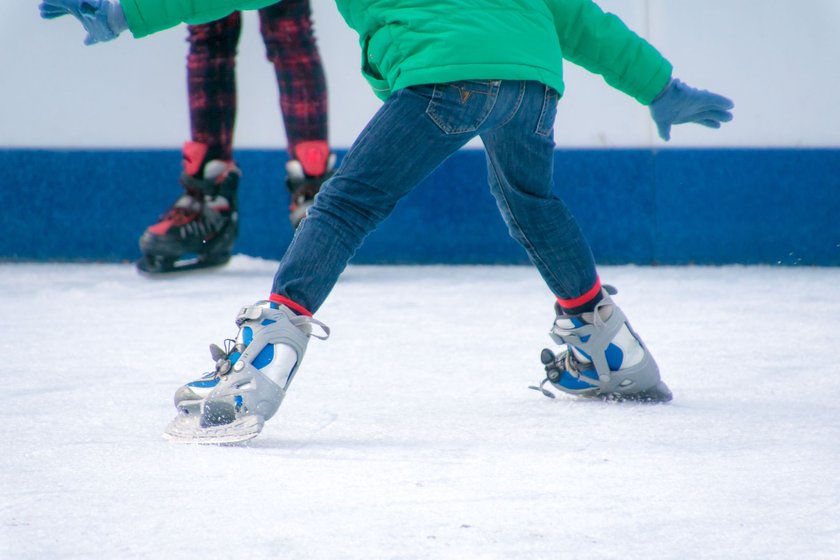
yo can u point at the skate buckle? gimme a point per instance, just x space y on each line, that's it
222 366
249 313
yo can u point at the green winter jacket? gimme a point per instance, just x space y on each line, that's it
145 17
411 42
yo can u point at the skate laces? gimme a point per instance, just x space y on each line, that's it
190 208
181 215
555 365
222 357
186 209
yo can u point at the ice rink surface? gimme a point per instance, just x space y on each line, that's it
411 433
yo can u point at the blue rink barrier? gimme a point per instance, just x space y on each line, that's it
641 206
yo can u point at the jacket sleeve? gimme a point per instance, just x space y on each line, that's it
145 17
601 43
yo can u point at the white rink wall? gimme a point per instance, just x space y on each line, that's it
776 59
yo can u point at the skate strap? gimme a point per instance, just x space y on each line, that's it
199 188
301 321
249 313
304 323
593 338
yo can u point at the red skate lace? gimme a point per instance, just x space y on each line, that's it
180 216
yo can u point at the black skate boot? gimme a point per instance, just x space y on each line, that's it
200 228
305 175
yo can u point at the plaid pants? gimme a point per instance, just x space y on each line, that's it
290 44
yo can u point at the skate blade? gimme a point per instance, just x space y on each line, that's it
150 267
187 430
658 394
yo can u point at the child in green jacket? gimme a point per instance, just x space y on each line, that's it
447 71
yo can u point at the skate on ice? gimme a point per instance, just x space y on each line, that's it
199 229
305 174
601 356
251 376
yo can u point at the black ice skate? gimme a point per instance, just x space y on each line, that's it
200 228
305 175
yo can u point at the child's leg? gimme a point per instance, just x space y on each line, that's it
602 356
398 148
290 45
520 163
211 84
200 228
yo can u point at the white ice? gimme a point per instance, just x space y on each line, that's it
412 433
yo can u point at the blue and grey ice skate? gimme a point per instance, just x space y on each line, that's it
252 374
601 356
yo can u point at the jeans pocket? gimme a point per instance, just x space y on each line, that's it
545 126
460 107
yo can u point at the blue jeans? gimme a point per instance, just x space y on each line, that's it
409 137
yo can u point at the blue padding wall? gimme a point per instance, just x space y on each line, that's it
673 206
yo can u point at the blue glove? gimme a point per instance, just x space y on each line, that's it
103 19
679 103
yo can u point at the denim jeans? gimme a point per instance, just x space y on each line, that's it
409 137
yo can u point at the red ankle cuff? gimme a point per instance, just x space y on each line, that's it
283 300
583 299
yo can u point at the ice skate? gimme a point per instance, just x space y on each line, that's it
251 376
200 228
601 356
305 175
